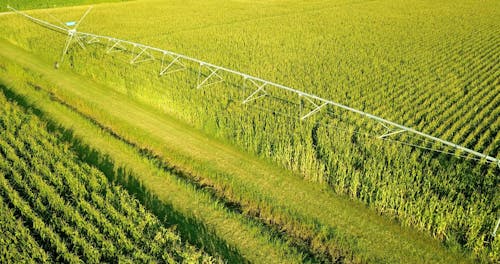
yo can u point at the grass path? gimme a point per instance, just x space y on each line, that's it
376 238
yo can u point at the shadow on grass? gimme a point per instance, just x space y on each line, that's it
190 229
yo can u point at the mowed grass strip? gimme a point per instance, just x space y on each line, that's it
373 237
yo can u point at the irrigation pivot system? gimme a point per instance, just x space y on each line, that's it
173 62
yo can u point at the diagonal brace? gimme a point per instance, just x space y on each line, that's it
213 73
497 225
175 61
389 133
314 110
73 37
69 40
93 40
144 50
260 88
80 41
116 47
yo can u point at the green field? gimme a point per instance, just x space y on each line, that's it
271 188
30 4
56 208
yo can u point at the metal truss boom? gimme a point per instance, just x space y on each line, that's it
215 70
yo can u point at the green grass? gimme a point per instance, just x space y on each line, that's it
296 205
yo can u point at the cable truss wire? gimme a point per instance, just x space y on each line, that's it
374 137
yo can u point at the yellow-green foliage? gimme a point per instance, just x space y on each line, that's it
432 65
30 4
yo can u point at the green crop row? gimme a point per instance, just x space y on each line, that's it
402 60
70 211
